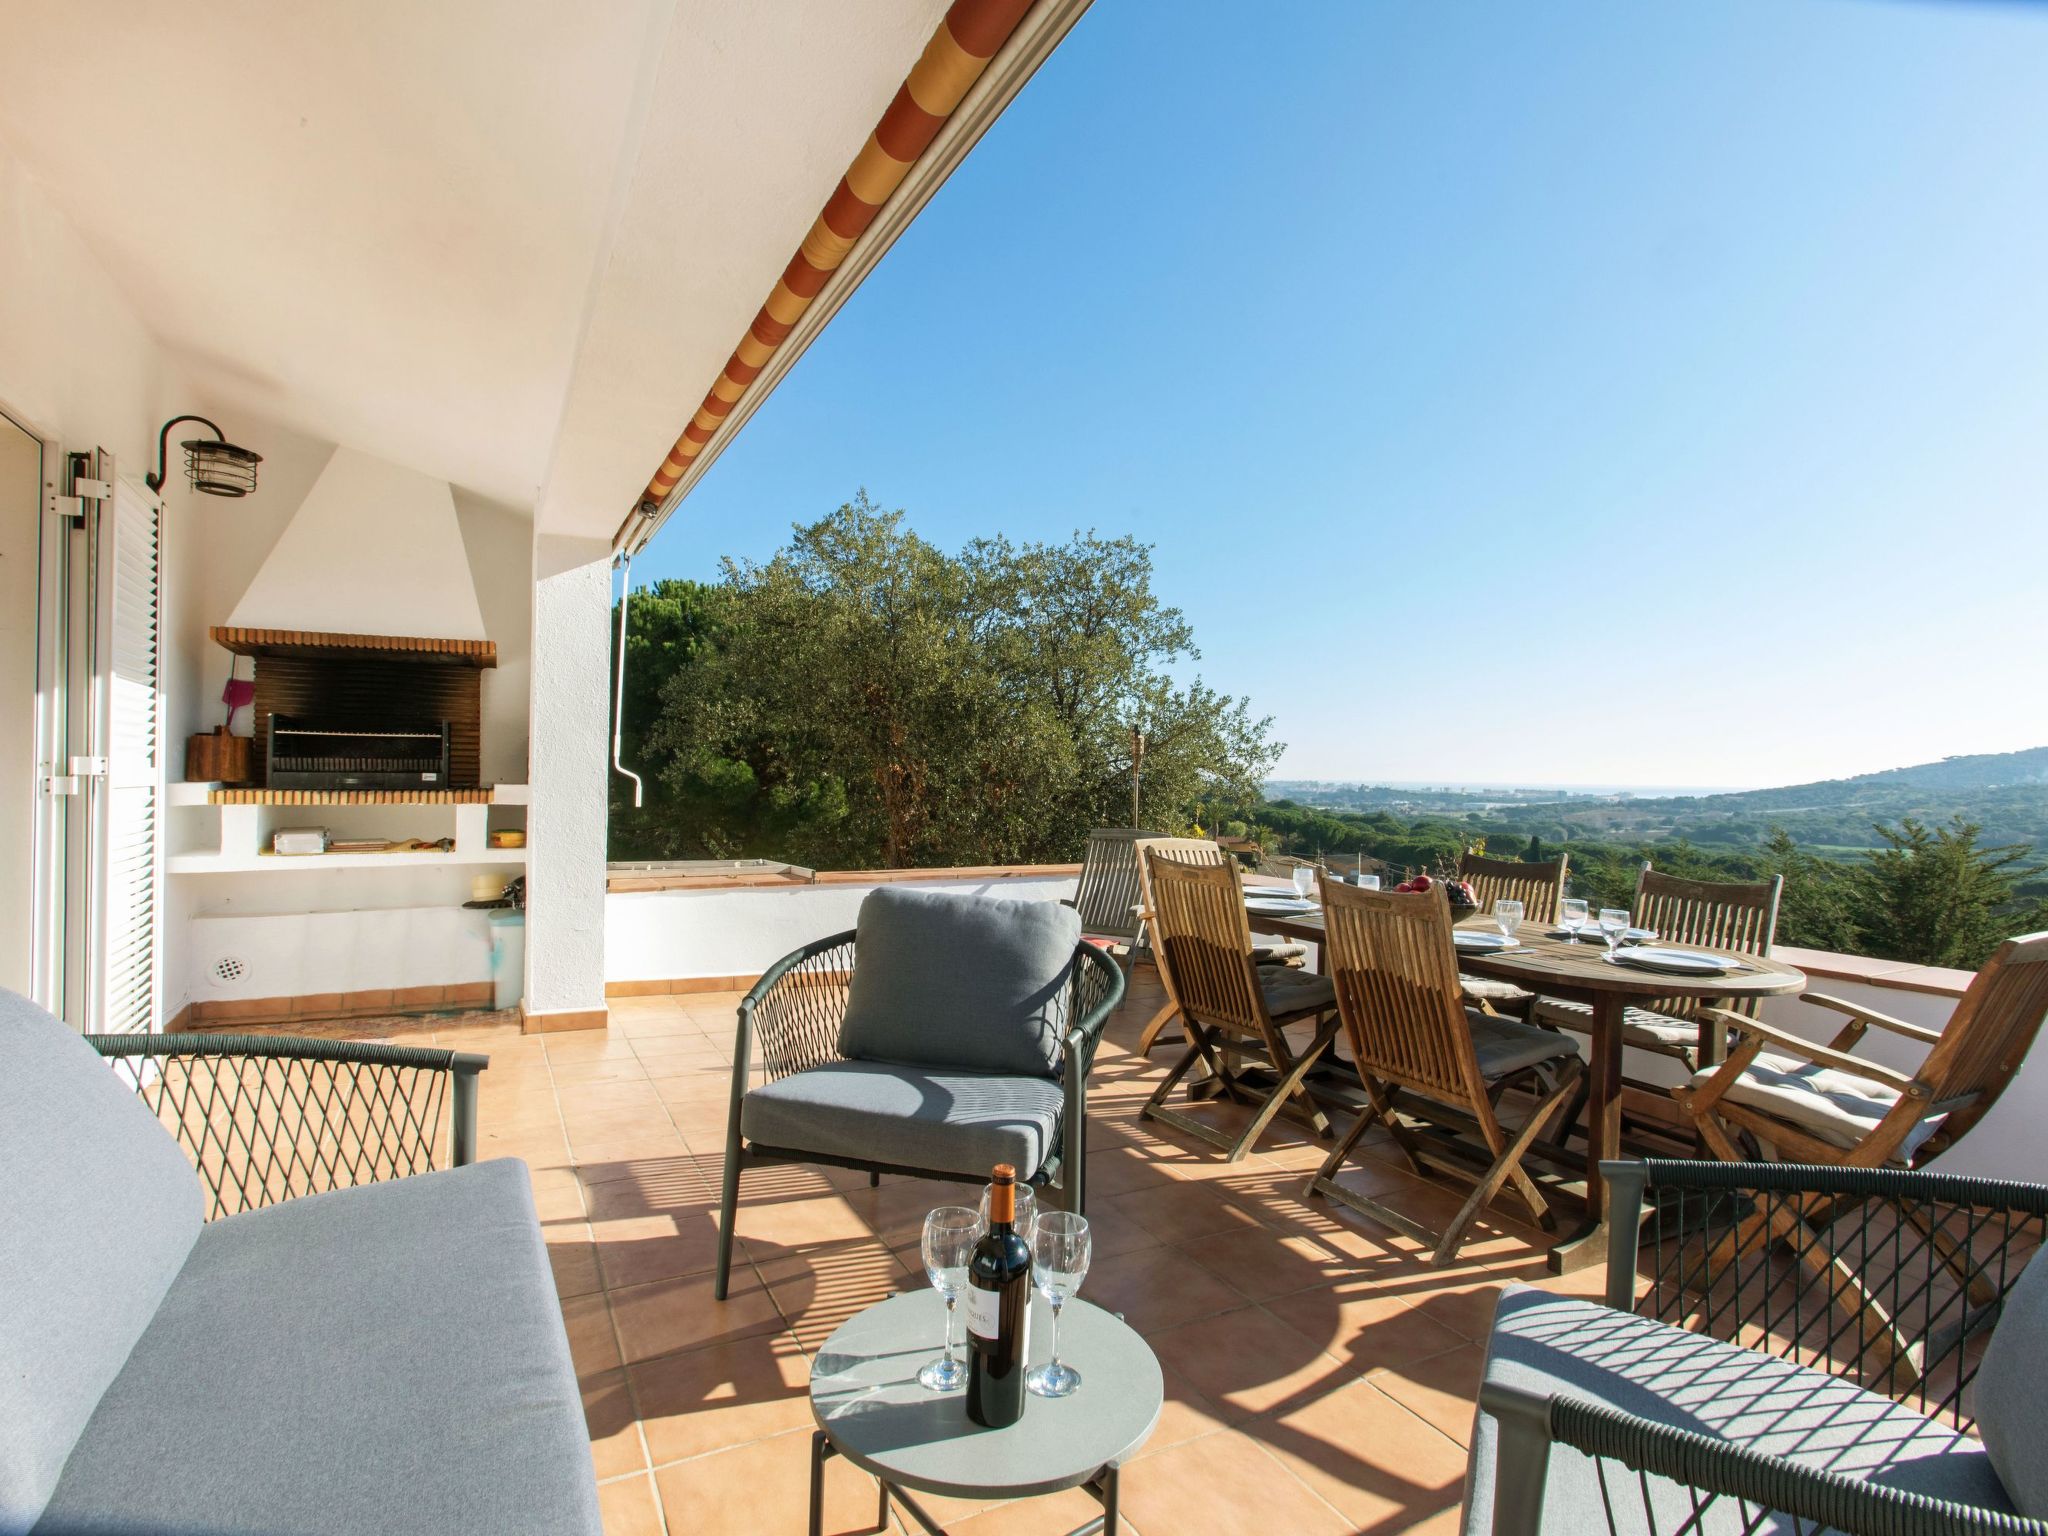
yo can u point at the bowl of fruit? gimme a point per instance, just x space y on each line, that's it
1458 893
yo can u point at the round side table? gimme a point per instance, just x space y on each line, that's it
870 1409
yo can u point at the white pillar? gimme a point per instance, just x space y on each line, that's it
567 762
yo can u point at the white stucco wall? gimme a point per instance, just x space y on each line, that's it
303 954
667 935
568 753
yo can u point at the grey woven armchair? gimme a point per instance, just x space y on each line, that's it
1710 1396
790 1023
266 1118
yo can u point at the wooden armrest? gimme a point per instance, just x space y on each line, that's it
1820 1055
1871 1016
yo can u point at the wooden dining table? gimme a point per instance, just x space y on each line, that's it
1582 973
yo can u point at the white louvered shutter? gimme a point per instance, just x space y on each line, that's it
129 695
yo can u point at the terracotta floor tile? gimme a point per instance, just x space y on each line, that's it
818 1291
671 1315
1223 1483
1030 1517
575 1265
1249 1362
585 1101
1365 1325
800 1223
608 1410
723 1395
1262 1263
592 1344
1176 1213
1157 1288
649 1248
1441 1389
764 1487
630 1507
1186 1415
652 1187
1376 1463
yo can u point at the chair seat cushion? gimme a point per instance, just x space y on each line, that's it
967 983
1289 992
385 1358
1508 1045
1477 988
1643 1027
908 1117
1566 1347
1837 1107
1278 952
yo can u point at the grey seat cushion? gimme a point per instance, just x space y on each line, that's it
1562 1346
975 983
98 1210
1643 1027
2012 1391
910 1117
1835 1106
1290 991
1508 1045
387 1358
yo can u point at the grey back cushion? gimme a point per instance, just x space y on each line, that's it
975 983
2012 1391
98 1210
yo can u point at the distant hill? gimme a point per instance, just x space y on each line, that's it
2005 792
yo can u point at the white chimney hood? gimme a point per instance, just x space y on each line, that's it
373 550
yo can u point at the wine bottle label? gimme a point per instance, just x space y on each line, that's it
984 1313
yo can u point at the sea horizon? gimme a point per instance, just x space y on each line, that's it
1520 787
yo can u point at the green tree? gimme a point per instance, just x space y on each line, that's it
1934 897
1817 906
868 699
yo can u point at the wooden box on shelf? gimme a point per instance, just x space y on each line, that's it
218 755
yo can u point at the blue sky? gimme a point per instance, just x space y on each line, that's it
1633 392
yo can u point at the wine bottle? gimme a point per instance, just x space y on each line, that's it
999 1311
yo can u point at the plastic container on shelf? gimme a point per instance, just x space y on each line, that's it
508 957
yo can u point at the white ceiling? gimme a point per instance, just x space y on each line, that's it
449 233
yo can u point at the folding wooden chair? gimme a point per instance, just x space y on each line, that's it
1193 850
1109 891
1539 887
1736 916
1800 1102
1420 1051
1232 1007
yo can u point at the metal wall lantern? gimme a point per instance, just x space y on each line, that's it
214 467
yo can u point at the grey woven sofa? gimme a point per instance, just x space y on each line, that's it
1720 1389
382 1356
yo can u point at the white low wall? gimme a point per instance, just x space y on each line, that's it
677 935
307 954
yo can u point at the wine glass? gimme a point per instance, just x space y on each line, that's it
1027 1209
950 1233
1304 880
1059 1261
1572 914
1508 914
1613 924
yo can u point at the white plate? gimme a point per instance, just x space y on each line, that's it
1477 939
1677 962
1278 904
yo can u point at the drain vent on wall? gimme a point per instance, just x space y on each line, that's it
228 970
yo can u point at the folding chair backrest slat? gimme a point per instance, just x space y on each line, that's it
1538 886
1108 894
1396 973
1989 1034
1200 932
1738 916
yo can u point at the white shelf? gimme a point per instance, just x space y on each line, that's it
189 792
195 791
276 863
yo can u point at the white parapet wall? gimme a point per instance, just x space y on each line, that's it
688 935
